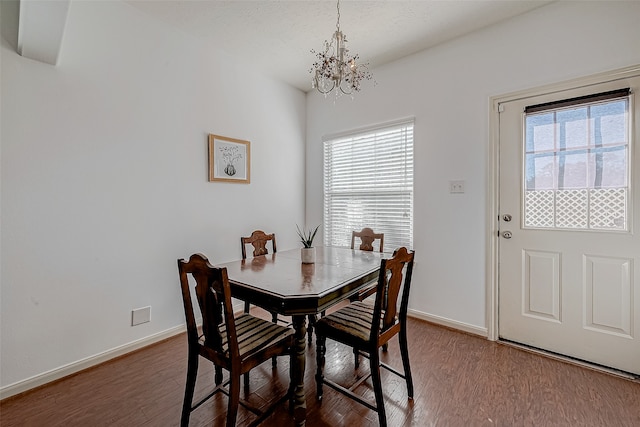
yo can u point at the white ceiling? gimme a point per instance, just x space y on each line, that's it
276 37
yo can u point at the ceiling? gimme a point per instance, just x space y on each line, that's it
276 37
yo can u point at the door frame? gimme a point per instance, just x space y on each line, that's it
493 176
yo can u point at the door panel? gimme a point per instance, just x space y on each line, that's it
541 285
608 294
569 271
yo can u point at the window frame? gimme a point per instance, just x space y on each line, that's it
399 134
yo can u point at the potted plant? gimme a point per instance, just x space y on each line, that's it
308 252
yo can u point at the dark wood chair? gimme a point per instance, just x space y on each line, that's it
366 328
237 344
367 238
259 240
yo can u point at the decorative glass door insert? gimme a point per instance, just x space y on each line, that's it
576 163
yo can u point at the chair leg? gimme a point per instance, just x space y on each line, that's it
247 307
356 357
374 358
320 351
192 373
234 400
404 352
274 359
218 375
246 382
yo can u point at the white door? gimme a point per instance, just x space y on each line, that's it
569 256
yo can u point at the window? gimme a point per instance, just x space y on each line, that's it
368 182
576 163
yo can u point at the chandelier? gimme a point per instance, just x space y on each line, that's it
335 68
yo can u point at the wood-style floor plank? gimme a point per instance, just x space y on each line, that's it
459 379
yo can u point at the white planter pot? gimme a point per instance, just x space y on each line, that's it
308 255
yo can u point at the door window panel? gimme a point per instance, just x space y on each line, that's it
576 164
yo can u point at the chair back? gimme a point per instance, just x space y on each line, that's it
367 237
390 281
259 241
214 299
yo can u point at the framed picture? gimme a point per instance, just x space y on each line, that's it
229 159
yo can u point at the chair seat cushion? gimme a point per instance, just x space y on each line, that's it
350 325
255 334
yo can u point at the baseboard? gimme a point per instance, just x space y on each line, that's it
72 368
453 324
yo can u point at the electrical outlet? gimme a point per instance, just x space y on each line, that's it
456 187
140 315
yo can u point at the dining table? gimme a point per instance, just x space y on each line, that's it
280 283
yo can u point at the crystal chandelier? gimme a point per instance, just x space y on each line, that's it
335 69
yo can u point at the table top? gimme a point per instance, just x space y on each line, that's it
280 282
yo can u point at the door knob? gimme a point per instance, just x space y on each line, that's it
506 234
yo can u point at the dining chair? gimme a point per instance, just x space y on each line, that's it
236 344
366 328
367 238
259 240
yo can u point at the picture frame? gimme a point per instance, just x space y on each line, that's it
229 159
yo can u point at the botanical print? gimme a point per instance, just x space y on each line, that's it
230 156
229 159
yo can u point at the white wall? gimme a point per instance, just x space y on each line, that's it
104 181
104 165
447 90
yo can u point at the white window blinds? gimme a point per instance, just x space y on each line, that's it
368 182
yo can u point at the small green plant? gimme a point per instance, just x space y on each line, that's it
306 237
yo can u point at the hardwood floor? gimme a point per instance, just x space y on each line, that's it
460 380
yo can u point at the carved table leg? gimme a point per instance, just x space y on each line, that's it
299 402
